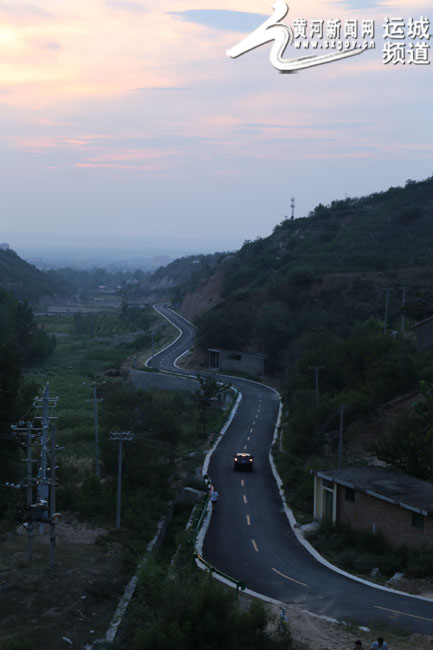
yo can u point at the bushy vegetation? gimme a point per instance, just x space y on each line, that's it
20 333
25 280
361 552
77 360
360 371
22 343
326 272
409 447
166 428
16 644
191 611
84 281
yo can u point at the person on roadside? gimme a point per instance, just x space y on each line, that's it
358 645
214 497
380 644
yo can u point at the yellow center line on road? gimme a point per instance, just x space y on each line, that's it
245 499
283 575
395 611
253 542
248 520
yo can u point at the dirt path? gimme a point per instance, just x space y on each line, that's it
319 634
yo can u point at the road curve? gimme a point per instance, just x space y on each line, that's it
250 537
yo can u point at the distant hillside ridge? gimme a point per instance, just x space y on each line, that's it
325 272
25 281
172 282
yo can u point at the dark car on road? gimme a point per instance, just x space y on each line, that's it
243 460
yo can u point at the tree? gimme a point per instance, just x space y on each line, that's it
410 445
209 390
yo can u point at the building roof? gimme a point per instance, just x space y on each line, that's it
243 354
385 484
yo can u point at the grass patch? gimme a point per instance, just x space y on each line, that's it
360 552
76 360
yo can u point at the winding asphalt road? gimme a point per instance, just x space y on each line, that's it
250 537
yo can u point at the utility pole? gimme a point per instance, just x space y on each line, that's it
95 417
292 206
43 483
385 323
403 304
316 370
53 518
46 477
95 409
46 403
340 436
29 481
127 437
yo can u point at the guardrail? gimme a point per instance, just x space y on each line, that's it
240 584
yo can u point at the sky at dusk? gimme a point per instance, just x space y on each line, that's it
124 122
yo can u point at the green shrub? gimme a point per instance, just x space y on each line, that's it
189 610
16 644
359 562
419 565
361 552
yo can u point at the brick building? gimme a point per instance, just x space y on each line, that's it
424 332
233 360
377 500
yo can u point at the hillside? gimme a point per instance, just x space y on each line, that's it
176 280
328 270
25 281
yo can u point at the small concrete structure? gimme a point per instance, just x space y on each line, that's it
377 500
424 332
235 361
